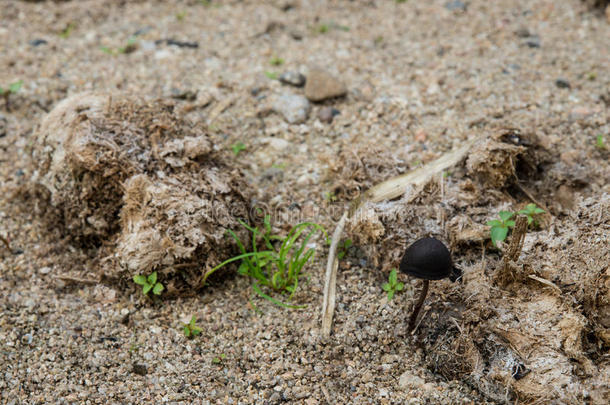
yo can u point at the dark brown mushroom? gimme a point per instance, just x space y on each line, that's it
428 259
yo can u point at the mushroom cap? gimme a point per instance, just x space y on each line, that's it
427 258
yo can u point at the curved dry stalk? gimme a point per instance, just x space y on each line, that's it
386 190
330 282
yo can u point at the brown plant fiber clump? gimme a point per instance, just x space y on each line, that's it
132 175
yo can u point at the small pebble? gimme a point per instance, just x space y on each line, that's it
140 369
293 78
321 85
38 42
294 108
3 125
179 44
456 5
327 114
408 380
533 42
523 33
563 83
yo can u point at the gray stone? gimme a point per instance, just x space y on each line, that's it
408 380
293 78
294 108
327 114
321 85
456 5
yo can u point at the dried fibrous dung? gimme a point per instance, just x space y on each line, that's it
525 338
493 162
354 171
597 3
130 174
529 337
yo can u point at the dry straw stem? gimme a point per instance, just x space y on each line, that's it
386 190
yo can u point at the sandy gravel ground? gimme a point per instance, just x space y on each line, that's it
421 78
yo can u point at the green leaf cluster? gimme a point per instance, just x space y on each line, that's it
191 329
276 265
12 88
531 211
393 285
343 248
238 147
500 227
149 283
276 61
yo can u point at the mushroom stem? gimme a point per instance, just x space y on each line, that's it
418 305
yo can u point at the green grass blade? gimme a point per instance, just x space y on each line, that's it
260 292
233 259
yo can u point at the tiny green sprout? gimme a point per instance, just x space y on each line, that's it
400 1
599 142
191 329
272 75
149 283
65 33
531 211
180 16
129 47
322 28
218 359
592 76
15 87
343 248
330 196
499 228
276 61
12 89
238 147
393 285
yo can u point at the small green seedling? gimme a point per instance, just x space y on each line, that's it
219 359
330 196
65 33
191 329
599 142
275 268
180 16
531 211
499 228
393 285
272 75
238 147
12 89
343 248
129 47
322 28
149 283
275 61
